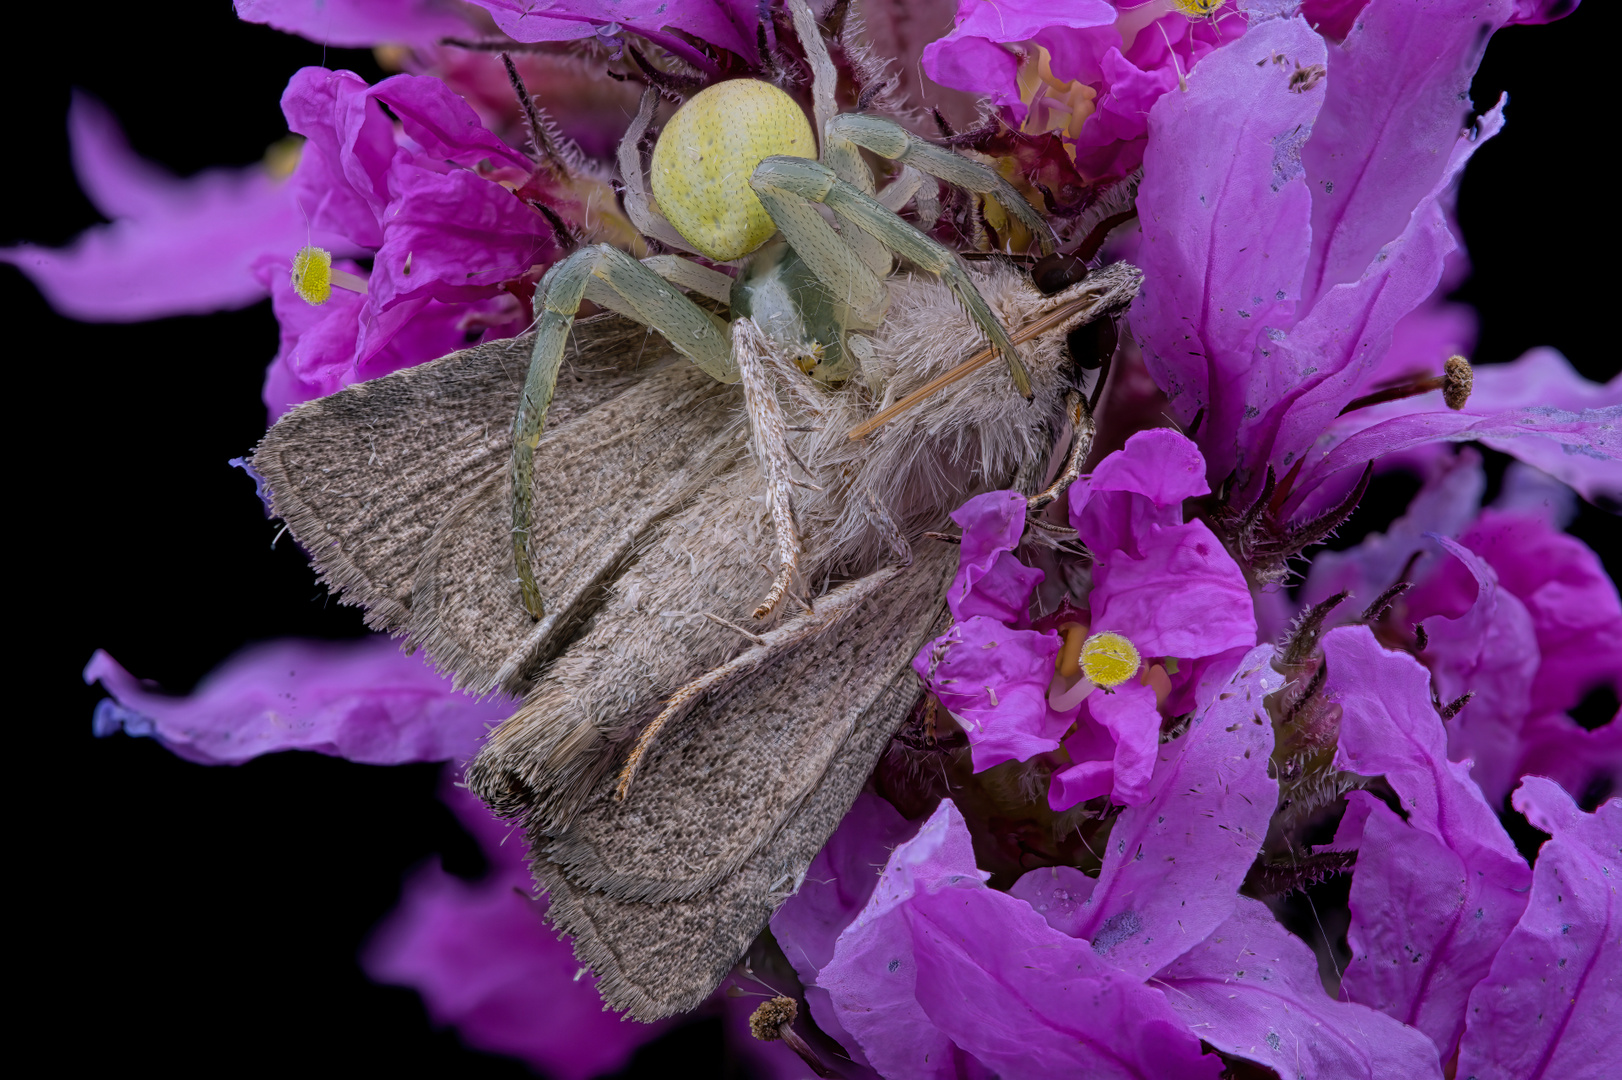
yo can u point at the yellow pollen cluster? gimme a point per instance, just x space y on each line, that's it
312 275
1197 9
1109 659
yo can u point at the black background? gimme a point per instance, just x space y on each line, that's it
207 919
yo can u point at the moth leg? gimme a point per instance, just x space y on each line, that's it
787 185
605 273
832 608
749 349
1081 441
889 139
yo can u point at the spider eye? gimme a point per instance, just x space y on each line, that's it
706 155
1056 273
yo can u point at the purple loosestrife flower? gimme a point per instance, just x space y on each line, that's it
1294 212
1168 587
1084 70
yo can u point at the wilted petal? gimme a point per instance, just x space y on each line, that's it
1225 212
1550 1006
995 681
363 700
1252 989
967 59
1433 897
1029 1001
835 888
873 976
1174 865
1186 597
990 580
175 247
485 962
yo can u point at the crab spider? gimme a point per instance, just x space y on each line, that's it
732 170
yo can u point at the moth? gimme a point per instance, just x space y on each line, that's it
701 556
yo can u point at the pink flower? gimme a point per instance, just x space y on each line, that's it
1084 69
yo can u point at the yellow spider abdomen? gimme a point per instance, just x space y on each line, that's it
708 151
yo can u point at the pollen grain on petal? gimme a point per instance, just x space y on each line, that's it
312 275
1109 659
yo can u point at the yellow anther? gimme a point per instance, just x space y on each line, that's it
709 150
1109 659
1197 9
312 275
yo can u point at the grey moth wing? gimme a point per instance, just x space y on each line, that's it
392 486
763 770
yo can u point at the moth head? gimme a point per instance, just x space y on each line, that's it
706 155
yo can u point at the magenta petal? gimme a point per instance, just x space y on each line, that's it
463 236
1537 409
1077 783
1135 489
1174 865
1397 90
445 126
362 700
977 66
174 247
1252 989
1572 602
341 183
727 23
358 24
1186 597
1581 761
1129 715
835 888
990 580
995 681
1433 897
1031 1002
1056 893
873 977
1301 382
1490 649
1225 212
1551 1003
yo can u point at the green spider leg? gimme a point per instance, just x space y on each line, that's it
608 276
787 186
890 140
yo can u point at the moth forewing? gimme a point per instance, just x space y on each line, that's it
658 546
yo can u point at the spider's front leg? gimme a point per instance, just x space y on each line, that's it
786 184
611 277
889 139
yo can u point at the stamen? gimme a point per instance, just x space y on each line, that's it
1455 383
313 276
1109 659
1069 661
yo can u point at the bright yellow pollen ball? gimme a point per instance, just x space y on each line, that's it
708 151
312 274
1109 659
